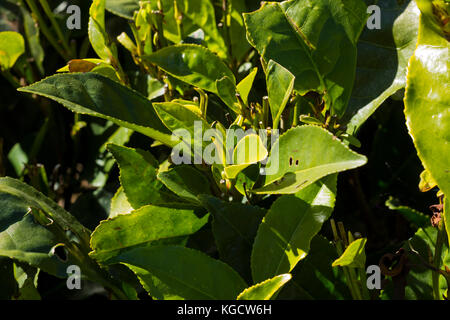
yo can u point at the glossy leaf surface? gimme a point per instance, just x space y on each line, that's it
285 234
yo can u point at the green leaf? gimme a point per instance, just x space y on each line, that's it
280 83
145 226
186 182
427 96
192 64
175 116
245 86
201 13
415 217
239 44
354 256
138 171
177 273
383 56
426 181
315 41
23 239
12 46
96 31
120 204
314 278
285 234
265 290
34 199
248 151
226 90
246 179
302 156
122 8
182 121
234 227
32 34
27 280
18 158
95 95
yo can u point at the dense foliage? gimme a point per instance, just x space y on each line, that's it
241 132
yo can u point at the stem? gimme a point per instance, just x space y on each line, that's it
266 111
203 102
55 25
437 261
340 250
296 115
178 18
45 30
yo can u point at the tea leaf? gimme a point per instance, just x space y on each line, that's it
354 256
97 96
248 151
306 154
138 170
285 234
16 226
120 204
427 100
145 226
186 182
201 13
192 64
426 181
32 33
226 90
234 227
177 273
245 86
383 56
315 41
34 199
280 83
181 120
239 44
97 34
12 46
265 290
122 8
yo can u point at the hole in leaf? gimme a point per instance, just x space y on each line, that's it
60 252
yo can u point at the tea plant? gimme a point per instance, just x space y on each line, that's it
230 199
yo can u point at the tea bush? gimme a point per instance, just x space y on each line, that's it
241 132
